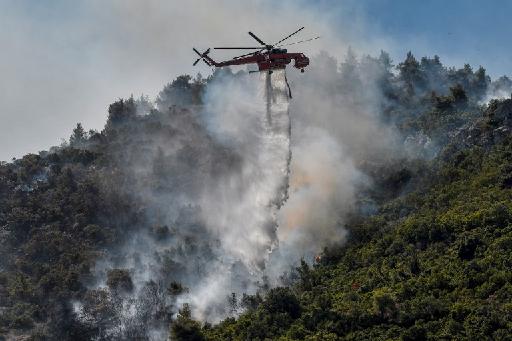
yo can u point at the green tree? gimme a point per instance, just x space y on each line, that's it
184 328
411 74
78 137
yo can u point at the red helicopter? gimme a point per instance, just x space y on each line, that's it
268 57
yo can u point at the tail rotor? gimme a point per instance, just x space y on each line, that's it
202 56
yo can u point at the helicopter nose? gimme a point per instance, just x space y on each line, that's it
302 62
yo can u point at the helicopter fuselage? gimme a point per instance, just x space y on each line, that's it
275 59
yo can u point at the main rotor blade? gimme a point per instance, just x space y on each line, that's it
197 61
257 39
280 41
237 48
248 54
298 42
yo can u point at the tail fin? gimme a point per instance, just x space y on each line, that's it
204 56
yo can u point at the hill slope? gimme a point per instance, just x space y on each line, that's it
427 254
431 264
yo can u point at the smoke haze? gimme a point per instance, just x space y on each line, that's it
235 192
242 188
63 63
221 200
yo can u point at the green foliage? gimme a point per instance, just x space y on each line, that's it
184 328
182 91
282 301
79 136
430 259
121 111
119 280
433 263
20 316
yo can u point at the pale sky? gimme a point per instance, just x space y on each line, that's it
64 62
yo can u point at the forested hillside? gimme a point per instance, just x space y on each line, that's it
434 260
433 263
427 254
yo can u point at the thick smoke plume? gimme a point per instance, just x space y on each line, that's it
132 47
227 209
220 178
250 114
337 126
242 207
499 89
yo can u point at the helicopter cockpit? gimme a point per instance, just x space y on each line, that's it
279 51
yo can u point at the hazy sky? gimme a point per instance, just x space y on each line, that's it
63 62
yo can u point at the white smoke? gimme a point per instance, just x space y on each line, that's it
336 128
322 189
226 224
250 112
241 207
101 50
240 210
498 89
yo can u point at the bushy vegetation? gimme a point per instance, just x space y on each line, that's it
434 261
60 211
431 262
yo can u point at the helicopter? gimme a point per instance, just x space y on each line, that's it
268 57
